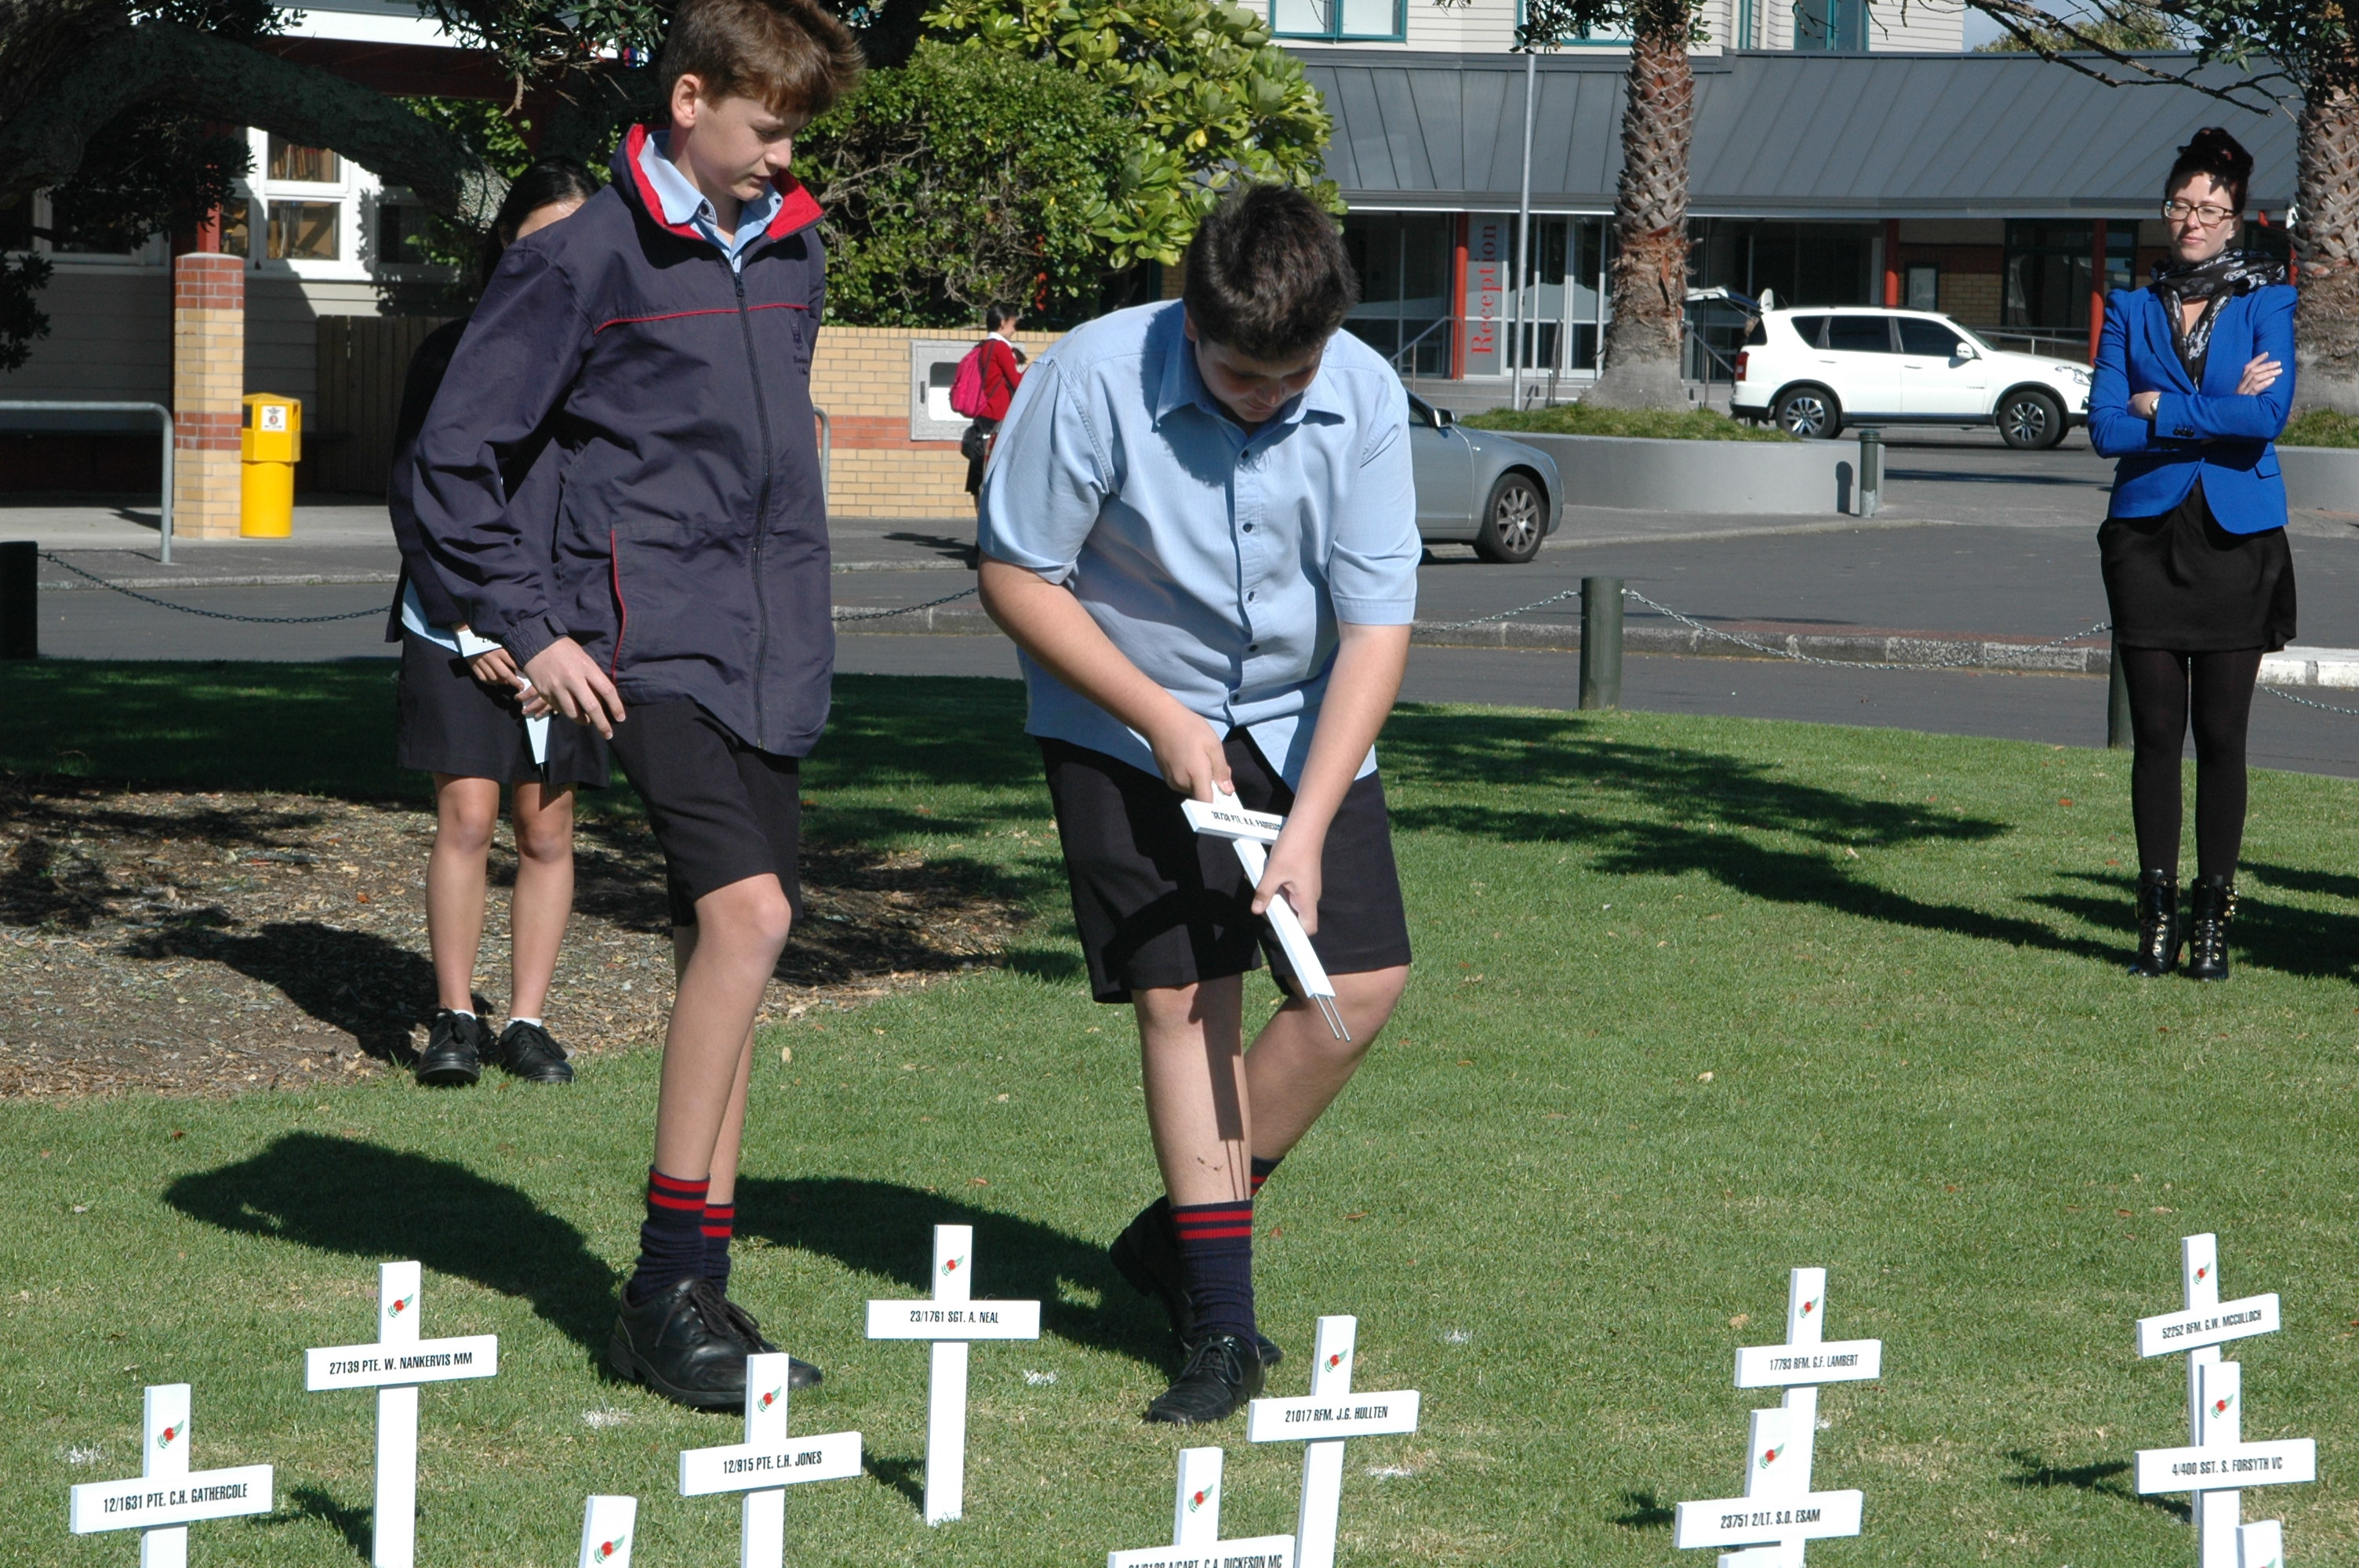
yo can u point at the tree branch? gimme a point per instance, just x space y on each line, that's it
2036 28
161 62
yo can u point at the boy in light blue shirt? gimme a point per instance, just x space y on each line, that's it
1199 528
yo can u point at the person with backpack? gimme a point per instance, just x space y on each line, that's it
986 384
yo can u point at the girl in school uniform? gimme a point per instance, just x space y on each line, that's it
462 718
2195 379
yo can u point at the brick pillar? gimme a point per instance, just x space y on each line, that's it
207 381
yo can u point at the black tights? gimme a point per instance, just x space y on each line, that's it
2166 688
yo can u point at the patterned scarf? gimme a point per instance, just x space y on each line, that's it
2214 281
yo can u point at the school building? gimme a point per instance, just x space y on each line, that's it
1846 152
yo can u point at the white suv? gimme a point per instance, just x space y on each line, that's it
1814 370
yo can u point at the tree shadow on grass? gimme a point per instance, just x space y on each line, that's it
355 981
1647 1511
1731 800
2308 943
350 1520
887 1229
2103 1478
334 1194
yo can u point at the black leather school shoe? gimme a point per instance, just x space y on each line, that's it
2159 932
455 1047
1223 1372
680 1343
2210 908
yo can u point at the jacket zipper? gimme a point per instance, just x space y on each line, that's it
762 511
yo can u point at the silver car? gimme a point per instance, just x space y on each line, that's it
1481 488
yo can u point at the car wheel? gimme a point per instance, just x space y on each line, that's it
1808 412
1513 521
2031 421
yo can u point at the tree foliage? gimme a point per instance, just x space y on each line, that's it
1209 98
965 177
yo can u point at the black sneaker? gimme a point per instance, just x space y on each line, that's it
528 1053
1223 1372
680 1343
1146 1255
801 1374
455 1047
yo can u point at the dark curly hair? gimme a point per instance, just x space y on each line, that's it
1267 274
2216 154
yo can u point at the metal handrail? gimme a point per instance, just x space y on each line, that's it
31 406
1410 347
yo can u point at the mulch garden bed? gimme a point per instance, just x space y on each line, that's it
207 944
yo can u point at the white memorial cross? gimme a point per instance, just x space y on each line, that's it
1330 1415
394 1367
607 1524
2215 1417
1778 1507
951 1320
166 1497
1247 831
1196 1527
767 1464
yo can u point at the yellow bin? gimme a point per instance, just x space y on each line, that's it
270 446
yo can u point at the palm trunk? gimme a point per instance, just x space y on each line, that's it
2326 239
1650 218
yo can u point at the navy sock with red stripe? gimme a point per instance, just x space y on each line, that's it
1261 1172
671 1239
1216 1261
720 1224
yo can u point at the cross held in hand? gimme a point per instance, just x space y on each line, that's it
951 1320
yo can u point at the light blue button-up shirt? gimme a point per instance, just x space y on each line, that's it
684 203
1218 560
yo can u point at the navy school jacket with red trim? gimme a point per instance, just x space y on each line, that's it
684 541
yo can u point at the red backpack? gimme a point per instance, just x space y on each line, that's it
966 387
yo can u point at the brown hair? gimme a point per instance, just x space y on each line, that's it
1267 274
791 55
2220 156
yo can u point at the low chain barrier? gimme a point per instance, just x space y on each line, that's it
2305 702
1775 653
56 559
843 615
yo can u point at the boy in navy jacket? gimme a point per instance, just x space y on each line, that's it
673 593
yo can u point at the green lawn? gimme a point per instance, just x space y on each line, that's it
1697 1001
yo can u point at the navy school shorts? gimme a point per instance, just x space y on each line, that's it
721 811
1157 906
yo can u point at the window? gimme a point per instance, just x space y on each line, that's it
237 227
1811 329
311 166
1336 20
401 234
1928 338
304 230
2049 270
1924 288
1404 262
1831 25
1860 334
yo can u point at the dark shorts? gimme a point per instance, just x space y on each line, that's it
1160 906
450 722
721 810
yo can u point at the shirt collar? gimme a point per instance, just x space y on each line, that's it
1183 384
682 202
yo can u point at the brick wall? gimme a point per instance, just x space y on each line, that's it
860 377
208 383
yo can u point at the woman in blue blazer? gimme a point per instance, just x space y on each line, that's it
2194 379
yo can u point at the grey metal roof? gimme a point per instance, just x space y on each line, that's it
1787 135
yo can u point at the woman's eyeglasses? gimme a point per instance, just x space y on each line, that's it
2211 217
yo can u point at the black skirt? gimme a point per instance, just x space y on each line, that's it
450 723
2180 581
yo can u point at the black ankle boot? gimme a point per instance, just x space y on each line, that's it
2159 931
2210 906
